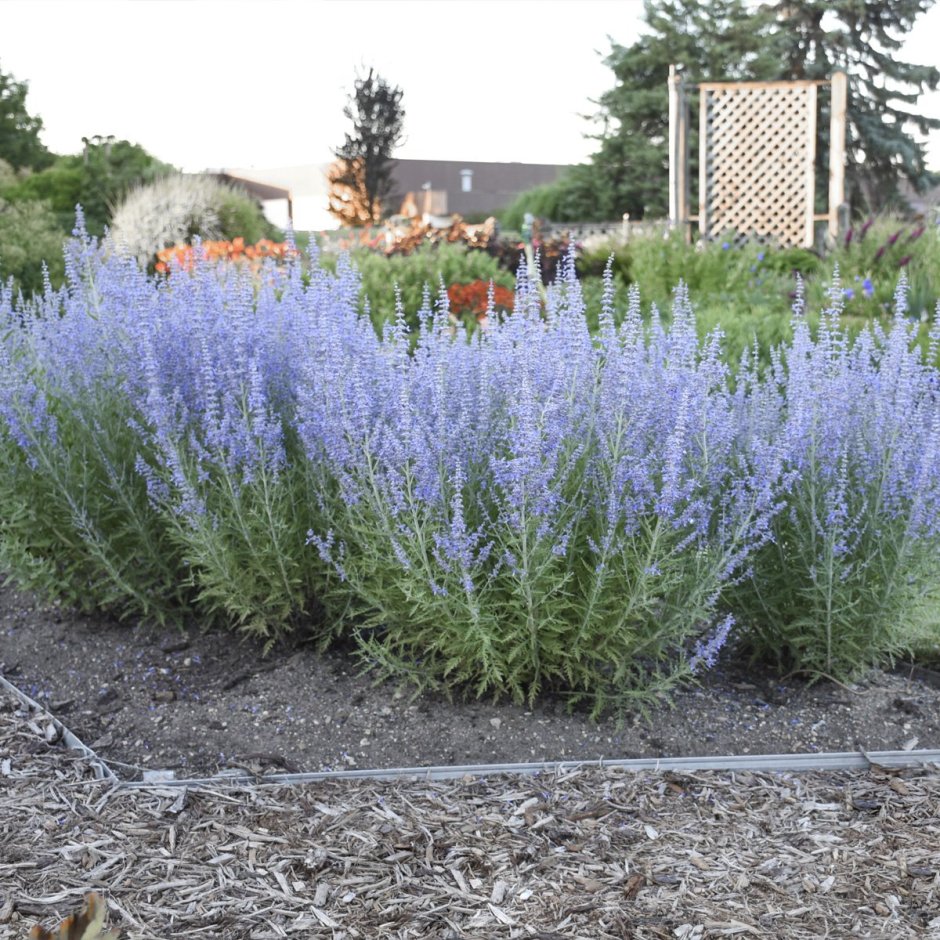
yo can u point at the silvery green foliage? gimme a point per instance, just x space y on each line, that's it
532 507
75 521
168 211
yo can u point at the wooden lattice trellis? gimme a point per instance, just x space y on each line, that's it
757 177
757 151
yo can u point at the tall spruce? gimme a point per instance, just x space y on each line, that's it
732 40
361 177
817 36
710 41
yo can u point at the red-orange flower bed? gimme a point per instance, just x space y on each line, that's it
473 298
235 250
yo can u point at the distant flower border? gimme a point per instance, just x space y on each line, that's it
235 250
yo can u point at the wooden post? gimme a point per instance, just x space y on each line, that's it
674 173
678 154
683 143
809 235
837 150
703 162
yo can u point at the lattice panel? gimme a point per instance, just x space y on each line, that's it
758 147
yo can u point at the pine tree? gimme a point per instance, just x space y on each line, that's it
711 41
731 40
816 37
362 174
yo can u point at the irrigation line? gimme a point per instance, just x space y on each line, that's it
101 770
794 763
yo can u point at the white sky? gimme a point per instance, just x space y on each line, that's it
245 83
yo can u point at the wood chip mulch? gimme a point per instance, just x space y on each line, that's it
587 854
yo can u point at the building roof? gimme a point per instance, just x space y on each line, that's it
492 187
258 189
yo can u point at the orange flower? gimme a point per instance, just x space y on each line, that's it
235 250
474 298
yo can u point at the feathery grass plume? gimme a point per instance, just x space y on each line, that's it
176 209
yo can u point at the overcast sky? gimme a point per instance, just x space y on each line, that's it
244 83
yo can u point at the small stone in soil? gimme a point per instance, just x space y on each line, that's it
107 697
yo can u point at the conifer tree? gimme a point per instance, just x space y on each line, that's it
710 41
362 174
731 40
816 37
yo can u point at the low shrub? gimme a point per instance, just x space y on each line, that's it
235 250
30 238
872 255
386 279
477 300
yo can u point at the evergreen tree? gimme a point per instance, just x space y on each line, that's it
710 41
816 37
20 145
363 172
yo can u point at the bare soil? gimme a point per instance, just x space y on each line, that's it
197 703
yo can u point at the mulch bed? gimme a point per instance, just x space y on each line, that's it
583 854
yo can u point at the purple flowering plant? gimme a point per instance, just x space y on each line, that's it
849 578
881 250
536 505
74 519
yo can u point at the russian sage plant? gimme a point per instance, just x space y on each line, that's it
849 579
74 516
215 387
533 508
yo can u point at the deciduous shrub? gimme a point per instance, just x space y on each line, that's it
429 266
29 238
477 299
235 250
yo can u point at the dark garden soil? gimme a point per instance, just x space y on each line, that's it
150 698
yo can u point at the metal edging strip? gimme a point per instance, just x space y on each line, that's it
841 760
847 760
101 770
